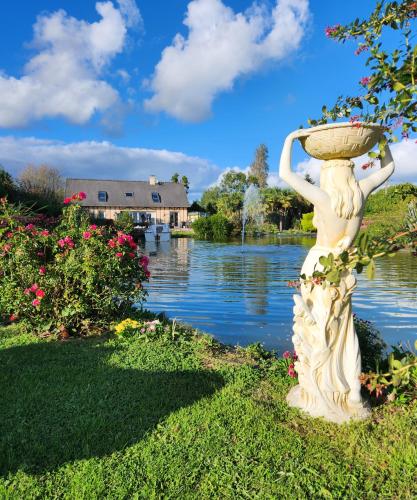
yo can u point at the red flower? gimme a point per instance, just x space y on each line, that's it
12 317
67 201
133 245
86 235
93 227
40 294
144 261
29 227
36 302
61 243
42 270
9 234
27 291
361 49
147 274
40 254
368 165
111 243
44 232
286 355
34 287
119 254
82 195
131 254
364 81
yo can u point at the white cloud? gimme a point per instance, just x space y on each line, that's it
104 160
64 78
221 46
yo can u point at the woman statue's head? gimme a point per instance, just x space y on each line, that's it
339 182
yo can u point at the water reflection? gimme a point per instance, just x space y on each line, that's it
240 294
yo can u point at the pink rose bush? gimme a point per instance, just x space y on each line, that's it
75 275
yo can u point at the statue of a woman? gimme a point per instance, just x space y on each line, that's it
329 363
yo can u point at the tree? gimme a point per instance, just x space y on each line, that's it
7 186
175 178
184 180
209 199
258 172
233 182
43 181
388 92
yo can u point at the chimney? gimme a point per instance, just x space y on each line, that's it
153 181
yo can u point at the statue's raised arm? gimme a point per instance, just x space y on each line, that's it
378 178
310 192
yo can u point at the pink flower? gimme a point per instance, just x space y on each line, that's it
133 245
9 234
93 227
119 254
286 355
12 317
29 227
120 240
36 302
291 372
332 30
40 294
86 235
34 287
67 201
40 254
361 49
147 274
7 247
111 243
364 81
27 291
370 164
45 232
61 243
82 195
42 270
131 254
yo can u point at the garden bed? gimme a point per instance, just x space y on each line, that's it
181 417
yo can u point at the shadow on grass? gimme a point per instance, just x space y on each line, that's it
63 402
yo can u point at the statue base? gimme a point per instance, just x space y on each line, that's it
298 398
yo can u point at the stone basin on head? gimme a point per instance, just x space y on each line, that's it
341 140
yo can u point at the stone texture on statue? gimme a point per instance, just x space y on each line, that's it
329 362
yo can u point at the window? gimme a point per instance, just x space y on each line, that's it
129 194
100 214
156 197
102 196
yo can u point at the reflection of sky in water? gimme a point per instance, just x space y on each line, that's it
242 296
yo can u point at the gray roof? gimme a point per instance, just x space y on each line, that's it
172 195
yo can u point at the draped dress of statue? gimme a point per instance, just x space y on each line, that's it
329 362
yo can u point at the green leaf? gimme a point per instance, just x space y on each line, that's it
398 86
370 270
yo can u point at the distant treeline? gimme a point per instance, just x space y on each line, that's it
41 188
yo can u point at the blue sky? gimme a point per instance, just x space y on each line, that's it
122 89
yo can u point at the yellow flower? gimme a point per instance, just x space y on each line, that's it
127 324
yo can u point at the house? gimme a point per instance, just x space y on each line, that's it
146 201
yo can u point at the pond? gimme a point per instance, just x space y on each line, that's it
240 293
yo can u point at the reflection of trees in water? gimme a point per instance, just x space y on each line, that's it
169 260
245 274
398 272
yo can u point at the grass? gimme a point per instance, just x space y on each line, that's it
104 418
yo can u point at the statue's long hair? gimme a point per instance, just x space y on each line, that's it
339 182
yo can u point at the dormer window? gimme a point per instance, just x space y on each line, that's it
129 194
156 197
103 196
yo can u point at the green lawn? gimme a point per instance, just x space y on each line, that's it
104 418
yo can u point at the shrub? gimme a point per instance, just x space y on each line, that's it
307 222
124 222
72 278
371 344
215 227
